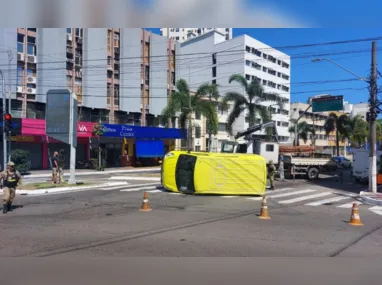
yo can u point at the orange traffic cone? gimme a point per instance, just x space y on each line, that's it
145 204
264 210
355 220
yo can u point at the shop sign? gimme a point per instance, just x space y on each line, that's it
126 131
22 138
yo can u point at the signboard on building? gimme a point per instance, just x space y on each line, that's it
135 132
59 124
327 104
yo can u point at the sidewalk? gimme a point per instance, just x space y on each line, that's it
48 173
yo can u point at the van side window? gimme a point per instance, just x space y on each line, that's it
269 148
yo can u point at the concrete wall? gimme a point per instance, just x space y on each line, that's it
94 74
51 61
130 69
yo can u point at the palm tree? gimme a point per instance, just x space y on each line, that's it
339 124
358 130
186 103
211 92
249 102
303 131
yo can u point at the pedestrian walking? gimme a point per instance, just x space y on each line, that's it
61 166
54 167
281 168
11 180
271 174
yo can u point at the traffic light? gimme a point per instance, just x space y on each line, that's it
7 123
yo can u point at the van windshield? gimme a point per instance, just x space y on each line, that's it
185 173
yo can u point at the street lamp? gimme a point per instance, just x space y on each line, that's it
4 136
372 156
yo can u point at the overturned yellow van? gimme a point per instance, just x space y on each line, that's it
214 173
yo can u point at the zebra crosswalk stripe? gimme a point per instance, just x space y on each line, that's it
299 199
330 200
290 193
349 205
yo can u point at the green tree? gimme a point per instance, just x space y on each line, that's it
303 130
186 103
339 124
211 92
250 101
358 130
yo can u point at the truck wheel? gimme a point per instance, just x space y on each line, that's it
313 173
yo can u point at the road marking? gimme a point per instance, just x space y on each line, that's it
114 188
349 205
138 189
290 193
278 190
255 198
376 209
134 178
228 196
299 199
155 191
330 200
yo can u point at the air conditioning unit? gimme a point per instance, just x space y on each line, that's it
69 37
19 89
20 56
116 49
32 59
31 90
31 79
142 81
147 107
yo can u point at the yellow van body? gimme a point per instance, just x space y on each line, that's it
214 173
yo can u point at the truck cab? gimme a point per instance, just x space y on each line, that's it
268 150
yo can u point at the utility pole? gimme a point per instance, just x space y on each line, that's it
373 117
10 57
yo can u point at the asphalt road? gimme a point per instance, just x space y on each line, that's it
108 223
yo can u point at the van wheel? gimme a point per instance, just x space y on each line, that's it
313 173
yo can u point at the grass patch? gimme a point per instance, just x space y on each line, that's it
49 185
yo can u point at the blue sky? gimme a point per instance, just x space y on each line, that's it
303 69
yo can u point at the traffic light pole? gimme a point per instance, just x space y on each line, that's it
4 112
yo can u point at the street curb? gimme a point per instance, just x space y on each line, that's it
96 172
62 189
369 198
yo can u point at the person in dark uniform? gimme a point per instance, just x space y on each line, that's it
11 180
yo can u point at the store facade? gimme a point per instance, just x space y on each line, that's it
33 139
122 145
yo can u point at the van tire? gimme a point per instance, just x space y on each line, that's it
313 173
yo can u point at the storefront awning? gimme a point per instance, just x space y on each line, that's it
149 148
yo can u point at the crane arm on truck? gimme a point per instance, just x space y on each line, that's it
256 128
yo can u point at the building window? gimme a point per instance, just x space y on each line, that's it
198 132
32 29
197 115
68 30
177 30
20 47
177 38
222 127
248 49
31 49
269 148
265 69
248 77
197 148
248 63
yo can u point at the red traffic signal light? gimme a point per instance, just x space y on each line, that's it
8 117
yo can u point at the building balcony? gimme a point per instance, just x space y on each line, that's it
69 50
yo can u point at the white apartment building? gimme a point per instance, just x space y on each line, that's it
184 34
314 120
218 59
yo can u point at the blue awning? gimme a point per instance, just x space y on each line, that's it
149 148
